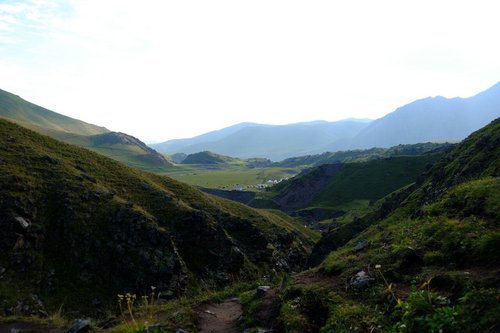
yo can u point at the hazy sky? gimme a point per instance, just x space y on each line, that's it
168 69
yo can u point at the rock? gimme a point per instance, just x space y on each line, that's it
79 326
261 290
180 330
361 280
112 322
23 223
234 299
48 159
360 245
210 313
152 328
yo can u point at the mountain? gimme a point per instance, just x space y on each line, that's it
433 119
429 119
274 142
177 157
119 146
16 109
426 259
179 145
79 228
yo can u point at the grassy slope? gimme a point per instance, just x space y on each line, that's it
16 109
73 131
355 186
86 209
363 155
121 147
207 157
372 180
437 247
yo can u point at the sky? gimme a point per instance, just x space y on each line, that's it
165 69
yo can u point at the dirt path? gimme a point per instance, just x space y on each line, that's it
219 317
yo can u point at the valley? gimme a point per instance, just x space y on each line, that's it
101 233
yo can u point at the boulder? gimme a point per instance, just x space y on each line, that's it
80 326
361 280
360 245
262 290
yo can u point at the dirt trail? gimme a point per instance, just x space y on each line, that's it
219 317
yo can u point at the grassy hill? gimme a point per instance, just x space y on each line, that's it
426 260
363 155
79 228
119 146
16 109
207 158
337 189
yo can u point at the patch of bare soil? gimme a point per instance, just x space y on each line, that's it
219 317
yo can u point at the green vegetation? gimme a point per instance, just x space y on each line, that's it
428 260
417 250
16 109
80 228
349 190
372 180
119 146
207 157
229 176
363 155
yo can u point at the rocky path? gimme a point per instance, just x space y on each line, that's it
219 317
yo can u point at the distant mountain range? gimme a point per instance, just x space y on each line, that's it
120 146
433 119
275 142
429 119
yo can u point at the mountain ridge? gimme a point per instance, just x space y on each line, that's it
270 141
430 119
119 146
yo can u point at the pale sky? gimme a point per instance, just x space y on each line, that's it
164 69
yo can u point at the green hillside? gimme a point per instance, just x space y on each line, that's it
78 228
16 109
207 158
363 155
119 146
347 189
426 260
